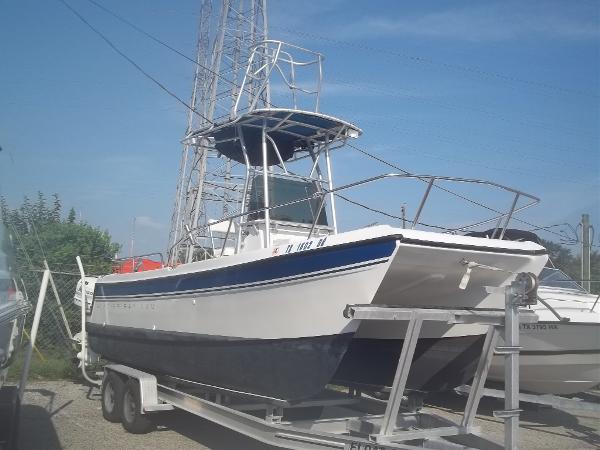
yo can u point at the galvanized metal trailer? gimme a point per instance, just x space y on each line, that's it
336 419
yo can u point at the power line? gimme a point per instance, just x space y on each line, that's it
456 194
392 216
167 46
131 61
453 140
455 67
377 118
390 92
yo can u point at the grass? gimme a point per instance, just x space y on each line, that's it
52 365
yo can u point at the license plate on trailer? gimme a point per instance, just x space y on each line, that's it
365 446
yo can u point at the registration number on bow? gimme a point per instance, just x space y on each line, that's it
365 446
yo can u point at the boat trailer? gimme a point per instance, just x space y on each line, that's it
340 420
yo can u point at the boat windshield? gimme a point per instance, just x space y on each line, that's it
557 278
283 190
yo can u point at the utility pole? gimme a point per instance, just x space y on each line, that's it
585 252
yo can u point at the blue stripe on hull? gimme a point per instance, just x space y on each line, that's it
285 266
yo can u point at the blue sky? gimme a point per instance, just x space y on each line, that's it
507 91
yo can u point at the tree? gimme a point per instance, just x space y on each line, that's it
71 217
562 258
42 234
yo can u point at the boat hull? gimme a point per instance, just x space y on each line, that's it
12 321
557 358
439 363
271 326
427 271
290 369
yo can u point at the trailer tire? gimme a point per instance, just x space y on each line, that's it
132 418
112 397
10 407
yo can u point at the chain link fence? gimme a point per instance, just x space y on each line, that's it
55 348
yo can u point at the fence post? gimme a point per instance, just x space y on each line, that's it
60 306
34 330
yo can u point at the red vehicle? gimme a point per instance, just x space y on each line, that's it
137 264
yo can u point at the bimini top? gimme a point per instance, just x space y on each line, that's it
292 131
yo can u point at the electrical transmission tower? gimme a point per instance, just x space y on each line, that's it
208 186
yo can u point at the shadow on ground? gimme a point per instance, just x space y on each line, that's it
533 417
206 433
37 430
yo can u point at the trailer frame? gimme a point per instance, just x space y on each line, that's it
354 427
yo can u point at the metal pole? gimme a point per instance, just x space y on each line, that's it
585 252
331 194
406 355
511 368
60 306
509 215
478 384
266 185
83 330
422 204
403 213
33 332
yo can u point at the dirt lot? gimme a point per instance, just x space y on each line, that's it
67 415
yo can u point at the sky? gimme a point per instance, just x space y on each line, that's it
507 91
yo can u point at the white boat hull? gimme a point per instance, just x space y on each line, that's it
250 322
558 357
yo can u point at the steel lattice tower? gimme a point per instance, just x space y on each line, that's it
207 186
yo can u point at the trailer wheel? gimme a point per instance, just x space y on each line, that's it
10 406
112 397
132 418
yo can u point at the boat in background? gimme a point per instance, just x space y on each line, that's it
561 353
13 311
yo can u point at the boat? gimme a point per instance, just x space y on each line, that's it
255 302
13 308
561 353
13 311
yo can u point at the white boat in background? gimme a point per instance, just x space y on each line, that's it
254 301
13 311
561 353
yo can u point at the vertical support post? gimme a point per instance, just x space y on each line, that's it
403 214
408 350
266 186
330 186
511 368
238 243
509 216
34 329
422 204
585 252
60 306
83 330
487 353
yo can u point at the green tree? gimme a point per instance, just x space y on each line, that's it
562 258
42 234
71 217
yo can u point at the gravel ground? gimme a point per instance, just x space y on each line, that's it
67 415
